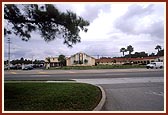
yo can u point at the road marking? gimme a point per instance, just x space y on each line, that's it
107 74
42 72
71 72
155 93
39 75
13 72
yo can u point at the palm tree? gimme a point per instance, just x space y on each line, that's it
130 49
158 47
123 50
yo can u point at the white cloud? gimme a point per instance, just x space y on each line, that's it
140 20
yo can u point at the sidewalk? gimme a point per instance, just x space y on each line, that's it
121 80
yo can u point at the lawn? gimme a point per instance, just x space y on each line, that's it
98 67
50 96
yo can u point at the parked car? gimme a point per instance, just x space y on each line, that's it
13 67
27 67
155 65
5 67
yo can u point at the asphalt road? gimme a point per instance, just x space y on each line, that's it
134 97
126 89
80 74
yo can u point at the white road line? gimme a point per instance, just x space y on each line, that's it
40 75
155 93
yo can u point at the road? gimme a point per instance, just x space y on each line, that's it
134 97
80 74
126 89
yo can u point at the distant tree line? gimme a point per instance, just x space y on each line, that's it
141 54
144 54
24 61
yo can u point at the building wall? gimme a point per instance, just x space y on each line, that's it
52 62
119 61
52 59
160 59
79 59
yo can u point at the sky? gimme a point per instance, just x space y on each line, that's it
112 27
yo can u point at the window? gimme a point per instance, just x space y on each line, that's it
85 61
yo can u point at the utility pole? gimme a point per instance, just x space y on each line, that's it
32 60
8 53
98 56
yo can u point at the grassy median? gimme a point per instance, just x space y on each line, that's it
50 96
97 67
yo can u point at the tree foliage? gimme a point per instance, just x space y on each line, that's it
25 61
138 54
62 60
130 49
160 53
158 47
123 50
46 19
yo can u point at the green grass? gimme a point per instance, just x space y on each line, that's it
50 97
99 67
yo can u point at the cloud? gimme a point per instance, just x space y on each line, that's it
92 11
17 54
88 11
156 29
101 48
141 20
127 23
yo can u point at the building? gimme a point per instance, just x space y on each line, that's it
51 62
80 59
120 61
161 58
146 60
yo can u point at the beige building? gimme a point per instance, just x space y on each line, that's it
80 59
161 58
51 62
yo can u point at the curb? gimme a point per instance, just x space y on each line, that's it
102 101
